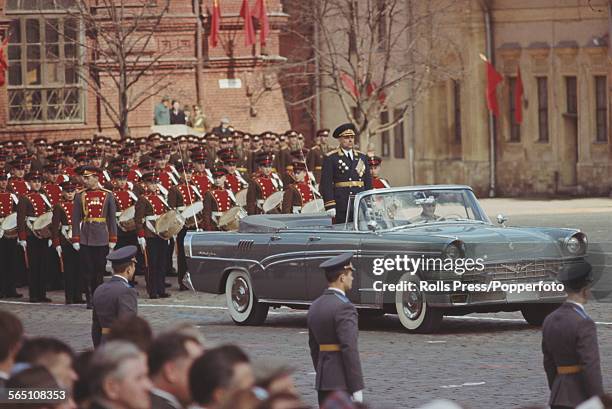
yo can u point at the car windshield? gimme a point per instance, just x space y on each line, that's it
403 209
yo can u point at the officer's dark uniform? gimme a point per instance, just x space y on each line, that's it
332 338
342 177
569 345
114 299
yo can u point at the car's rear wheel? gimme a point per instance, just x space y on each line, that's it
535 314
242 302
412 309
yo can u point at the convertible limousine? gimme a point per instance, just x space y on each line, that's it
272 260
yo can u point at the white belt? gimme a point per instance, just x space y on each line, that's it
150 218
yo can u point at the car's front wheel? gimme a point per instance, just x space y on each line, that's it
535 314
241 301
412 309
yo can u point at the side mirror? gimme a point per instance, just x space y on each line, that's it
501 219
372 225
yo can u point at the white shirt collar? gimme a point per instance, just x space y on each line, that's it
576 303
122 277
167 396
338 290
347 152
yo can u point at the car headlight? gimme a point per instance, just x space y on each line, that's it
576 244
454 250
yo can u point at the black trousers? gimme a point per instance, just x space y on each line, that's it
54 278
8 250
37 257
132 240
157 254
322 395
72 280
93 264
180 256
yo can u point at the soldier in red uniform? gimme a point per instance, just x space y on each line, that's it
94 228
264 184
31 206
149 207
217 200
234 180
8 246
377 181
17 183
298 193
61 239
51 187
201 177
179 196
124 198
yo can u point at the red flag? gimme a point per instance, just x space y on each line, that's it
373 88
249 30
215 24
493 80
261 14
3 61
518 97
349 84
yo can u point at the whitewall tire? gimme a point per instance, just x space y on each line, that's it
242 302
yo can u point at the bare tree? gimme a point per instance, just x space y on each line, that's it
120 60
370 54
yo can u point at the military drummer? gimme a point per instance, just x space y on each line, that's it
569 343
116 298
333 331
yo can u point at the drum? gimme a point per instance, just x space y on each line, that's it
273 201
241 198
42 226
9 226
126 219
191 213
169 224
230 220
314 206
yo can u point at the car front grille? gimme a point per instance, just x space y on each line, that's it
516 271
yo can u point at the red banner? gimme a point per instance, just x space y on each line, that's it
494 78
261 14
215 24
249 30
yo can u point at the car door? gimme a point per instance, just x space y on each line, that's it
282 277
323 245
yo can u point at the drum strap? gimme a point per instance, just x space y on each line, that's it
44 198
172 178
197 191
231 195
14 197
209 176
162 189
241 179
164 201
132 195
278 184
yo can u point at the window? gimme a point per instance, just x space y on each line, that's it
571 93
38 5
457 108
515 128
398 136
43 82
542 109
601 108
384 119
382 25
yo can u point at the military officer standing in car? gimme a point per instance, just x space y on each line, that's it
345 173
333 332
569 343
116 298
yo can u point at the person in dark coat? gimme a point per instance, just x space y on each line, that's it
177 115
345 173
333 333
116 298
569 343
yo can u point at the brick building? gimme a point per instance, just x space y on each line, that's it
44 96
563 143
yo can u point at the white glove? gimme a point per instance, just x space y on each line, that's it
142 242
111 245
331 212
358 396
49 243
22 243
59 250
1 233
76 246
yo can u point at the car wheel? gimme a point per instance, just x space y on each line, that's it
535 314
412 309
241 301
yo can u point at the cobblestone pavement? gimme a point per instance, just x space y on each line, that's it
482 361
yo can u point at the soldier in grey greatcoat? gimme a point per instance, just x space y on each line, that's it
116 298
569 343
333 333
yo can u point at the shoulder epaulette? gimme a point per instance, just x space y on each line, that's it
81 190
333 151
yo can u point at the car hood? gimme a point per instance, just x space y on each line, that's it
495 243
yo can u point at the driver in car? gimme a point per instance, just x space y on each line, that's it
429 210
